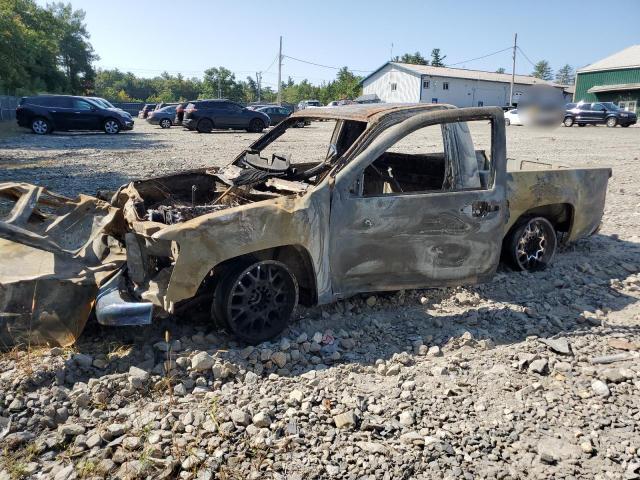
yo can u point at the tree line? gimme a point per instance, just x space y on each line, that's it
219 82
44 49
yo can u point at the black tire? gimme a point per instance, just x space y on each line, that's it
205 125
568 122
507 122
625 125
165 123
111 126
581 124
256 126
40 126
254 301
612 122
531 244
299 124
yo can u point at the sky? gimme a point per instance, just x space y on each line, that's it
188 36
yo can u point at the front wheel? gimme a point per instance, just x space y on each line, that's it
111 126
255 302
40 126
531 245
165 123
507 122
568 122
612 122
256 126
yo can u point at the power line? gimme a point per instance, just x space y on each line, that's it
324 66
271 64
479 58
525 56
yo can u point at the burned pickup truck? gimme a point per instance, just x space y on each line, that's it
402 196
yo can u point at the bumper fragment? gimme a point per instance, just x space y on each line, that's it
113 309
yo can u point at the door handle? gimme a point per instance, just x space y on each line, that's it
481 208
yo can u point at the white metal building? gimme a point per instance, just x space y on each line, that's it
404 82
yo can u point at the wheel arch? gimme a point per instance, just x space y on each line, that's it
296 257
561 216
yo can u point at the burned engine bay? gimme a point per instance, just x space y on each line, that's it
182 197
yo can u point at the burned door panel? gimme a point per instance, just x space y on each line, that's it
410 241
396 236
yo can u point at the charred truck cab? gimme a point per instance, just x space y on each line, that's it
251 240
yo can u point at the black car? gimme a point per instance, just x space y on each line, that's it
205 115
163 117
46 113
607 113
148 107
180 113
276 113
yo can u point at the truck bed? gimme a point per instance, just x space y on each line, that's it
575 195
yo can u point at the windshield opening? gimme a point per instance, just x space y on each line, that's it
298 150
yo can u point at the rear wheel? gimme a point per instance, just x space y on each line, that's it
40 126
625 125
612 122
256 125
255 301
581 124
531 245
165 123
111 126
205 125
299 124
507 122
568 122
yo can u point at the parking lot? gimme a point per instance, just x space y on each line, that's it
83 162
441 383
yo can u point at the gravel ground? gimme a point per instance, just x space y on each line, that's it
529 376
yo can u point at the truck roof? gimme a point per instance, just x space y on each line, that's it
368 112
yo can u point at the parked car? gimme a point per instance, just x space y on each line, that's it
339 103
163 117
597 113
148 107
206 115
180 113
512 118
309 104
165 104
276 113
107 104
46 113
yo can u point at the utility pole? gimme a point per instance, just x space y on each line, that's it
258 82
280 73
513 69
219 88
391 55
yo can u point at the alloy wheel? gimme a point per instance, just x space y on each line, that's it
260 300
536 245
40 127
111 126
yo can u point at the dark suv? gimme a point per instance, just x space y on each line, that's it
205 115
46 113
607 113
